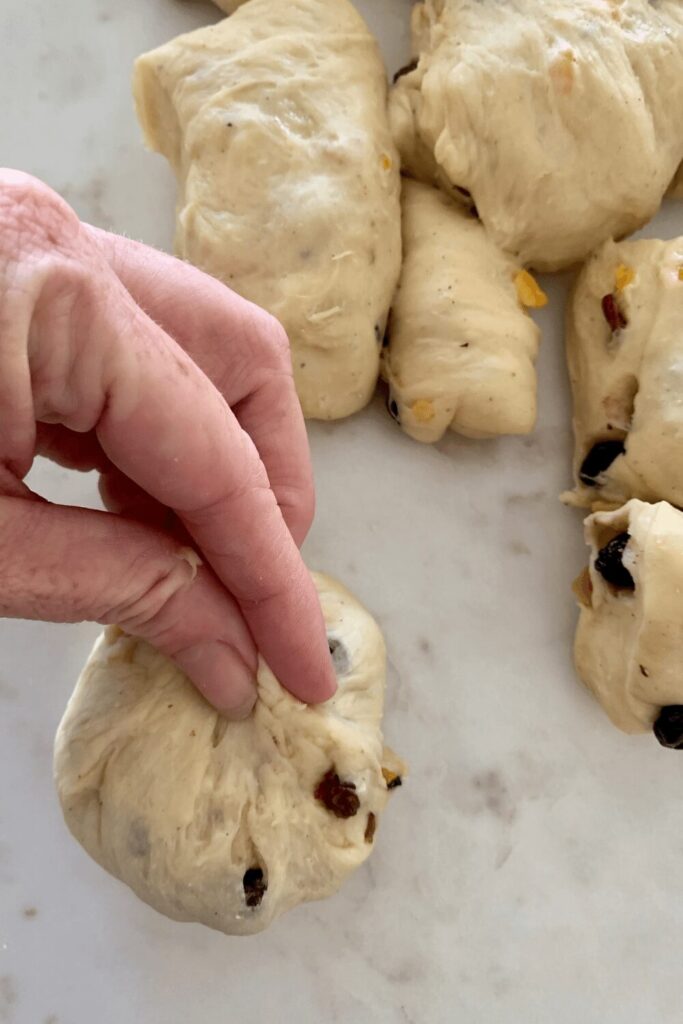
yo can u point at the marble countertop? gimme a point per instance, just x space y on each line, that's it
530 870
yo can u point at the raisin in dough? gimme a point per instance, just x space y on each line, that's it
461 349
629 641
562 118
199 816
625 355
275 122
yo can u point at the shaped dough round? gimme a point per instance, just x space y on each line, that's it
561 117
461 349
625 356
275 122
629 642
215 821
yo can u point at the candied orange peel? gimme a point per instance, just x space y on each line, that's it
529 292
423 410
623 276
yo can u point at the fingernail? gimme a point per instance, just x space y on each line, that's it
223 677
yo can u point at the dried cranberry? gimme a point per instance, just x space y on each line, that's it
254 887
610 565
613 315
669 727
600 457
338 797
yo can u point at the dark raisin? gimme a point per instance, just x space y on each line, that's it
669 727
613 315
254 887
610 565
395 782
405 70
370 828
644 671
340 655
392 406
600 457
338 797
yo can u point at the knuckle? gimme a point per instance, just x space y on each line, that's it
32 216
150 608
270 339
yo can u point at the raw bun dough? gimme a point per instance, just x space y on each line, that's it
275 122
179 804
561 117
629 643
461 349
627 383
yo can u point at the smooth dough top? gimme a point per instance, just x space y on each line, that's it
275 121
627 376
461 348
561 117
218 822
629 643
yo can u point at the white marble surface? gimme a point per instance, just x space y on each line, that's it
530 870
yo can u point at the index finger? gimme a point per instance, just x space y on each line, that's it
240 348
167 427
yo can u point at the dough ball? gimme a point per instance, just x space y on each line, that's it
227 823
629 641
561 117
625 355
461 349
275 122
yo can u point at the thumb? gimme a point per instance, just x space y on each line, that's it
64 564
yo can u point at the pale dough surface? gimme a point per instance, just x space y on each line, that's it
629 643
461 349
179 804
561 117
627 385
275 122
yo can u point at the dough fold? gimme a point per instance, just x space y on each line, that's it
461 349
625 357
562 118
629 641
215 821
276 125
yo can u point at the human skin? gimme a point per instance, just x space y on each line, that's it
122 359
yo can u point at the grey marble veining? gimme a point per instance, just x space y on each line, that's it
529 870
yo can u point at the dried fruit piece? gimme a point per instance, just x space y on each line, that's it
583 588
405 70
423 410
254 887
529 292
338 797
613 315
392 406
370 828
669 727
623 276
392 779
386 162
599 458
609 563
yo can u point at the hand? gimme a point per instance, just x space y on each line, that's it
118 358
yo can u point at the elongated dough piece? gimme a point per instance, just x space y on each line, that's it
227 823
629 640
275 123
561 117
461 348
625 356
